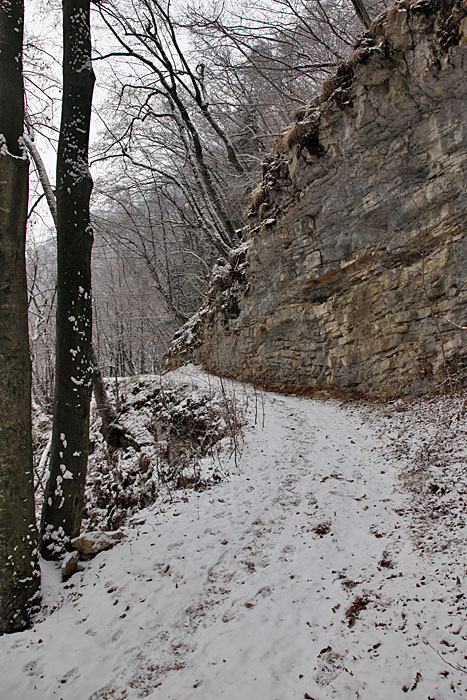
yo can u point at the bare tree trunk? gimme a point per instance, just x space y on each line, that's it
64 493
115 435
362 13
43 177
19 568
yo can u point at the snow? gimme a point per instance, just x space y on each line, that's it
304 575
4 148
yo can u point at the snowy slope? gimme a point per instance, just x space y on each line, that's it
301 576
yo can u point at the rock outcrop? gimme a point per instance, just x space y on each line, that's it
355 276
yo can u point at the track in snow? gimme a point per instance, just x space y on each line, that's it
295 578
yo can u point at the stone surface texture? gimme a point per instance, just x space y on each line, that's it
70 565
92 543
355 270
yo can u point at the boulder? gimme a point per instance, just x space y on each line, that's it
91 543
70 565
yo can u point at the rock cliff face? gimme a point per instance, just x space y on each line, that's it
356 268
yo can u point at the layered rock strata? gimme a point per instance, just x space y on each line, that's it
355 276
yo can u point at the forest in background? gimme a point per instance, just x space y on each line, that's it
189 101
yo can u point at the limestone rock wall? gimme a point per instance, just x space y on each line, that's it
356 269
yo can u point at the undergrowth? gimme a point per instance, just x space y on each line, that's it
180 431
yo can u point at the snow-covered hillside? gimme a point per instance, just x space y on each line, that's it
312 571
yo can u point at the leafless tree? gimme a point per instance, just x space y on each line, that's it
64 493
195 102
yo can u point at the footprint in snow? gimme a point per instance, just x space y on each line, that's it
31 668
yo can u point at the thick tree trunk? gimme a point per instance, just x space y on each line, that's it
19 568
64 493
114 434
11 83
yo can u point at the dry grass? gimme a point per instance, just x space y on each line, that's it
293 137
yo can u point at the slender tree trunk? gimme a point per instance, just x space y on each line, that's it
43 177
64 493
216 199
19 568
115 435
362 13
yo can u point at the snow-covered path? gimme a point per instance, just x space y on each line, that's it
296 578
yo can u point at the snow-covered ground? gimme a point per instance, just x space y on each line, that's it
313 571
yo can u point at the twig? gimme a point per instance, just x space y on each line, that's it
441 656
462 328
